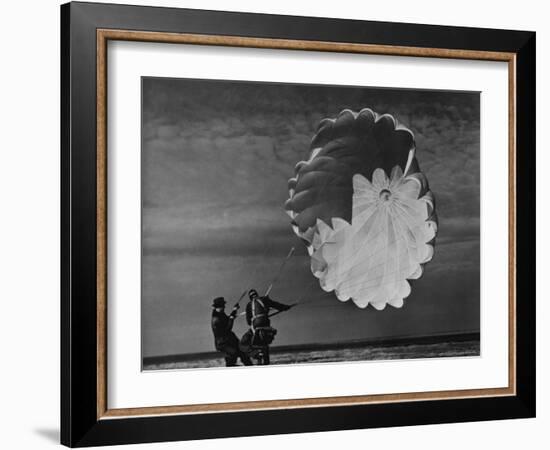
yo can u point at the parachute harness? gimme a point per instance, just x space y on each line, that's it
256 315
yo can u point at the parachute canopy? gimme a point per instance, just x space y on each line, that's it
363 208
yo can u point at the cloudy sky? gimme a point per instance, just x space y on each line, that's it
216 157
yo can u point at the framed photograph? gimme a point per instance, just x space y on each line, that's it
276 224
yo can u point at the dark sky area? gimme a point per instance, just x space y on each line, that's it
216 157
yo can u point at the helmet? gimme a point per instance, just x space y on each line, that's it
252 293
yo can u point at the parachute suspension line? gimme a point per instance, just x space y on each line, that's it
244 292
279 312
279 272
241 297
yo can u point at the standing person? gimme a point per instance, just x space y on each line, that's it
261 333
225 340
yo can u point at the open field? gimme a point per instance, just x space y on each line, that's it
425 347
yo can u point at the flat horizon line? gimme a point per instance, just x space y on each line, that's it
384 340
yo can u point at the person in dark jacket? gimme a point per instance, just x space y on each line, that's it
261 333
225 340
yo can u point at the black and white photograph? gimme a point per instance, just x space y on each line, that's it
275 225
292 223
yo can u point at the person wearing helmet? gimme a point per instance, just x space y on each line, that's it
261 333
225 340
257 309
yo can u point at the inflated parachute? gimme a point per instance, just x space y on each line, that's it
364 209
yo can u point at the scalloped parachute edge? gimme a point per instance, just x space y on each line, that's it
312 233
328 234
398 126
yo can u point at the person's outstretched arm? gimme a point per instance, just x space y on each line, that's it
231 317
276 305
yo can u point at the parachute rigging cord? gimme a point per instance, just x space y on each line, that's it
275 279
363 208
285 310
240 298
279 272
